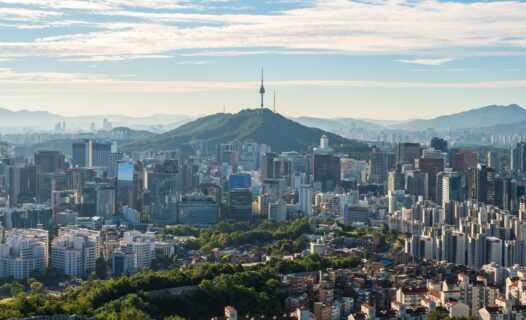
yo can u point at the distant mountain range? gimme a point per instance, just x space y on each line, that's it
490 117
262 126
476 118
16 121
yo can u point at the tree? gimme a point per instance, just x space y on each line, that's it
36 287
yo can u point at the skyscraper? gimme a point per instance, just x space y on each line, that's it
240 204
130 185
267 165
82 153
432 167
463 159
417 184
50 161
450 187
305 199
378 166
439 144
407 151
518 157
482 184
165 185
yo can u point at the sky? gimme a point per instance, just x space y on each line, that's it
391 59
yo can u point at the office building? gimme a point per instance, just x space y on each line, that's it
28 216
198 209
82 153
239 181
463 159
130 185
240 203
305 200
23 184
378 166
439 144
450 187
482 184
407 152
277 210
432 167
326 171
98 199
267 165
165 186
50 161
417 184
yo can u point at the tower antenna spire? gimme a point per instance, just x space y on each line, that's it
262 90
274 101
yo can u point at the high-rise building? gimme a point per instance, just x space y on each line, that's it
28 216
267 165
493 160
239 181
88 153
197 209
75 251
378 166
82 153
326 170
101 151
115 159
50 161
23 252
450 187
23 184
3 150
482 184
305 199
165 186
417 184
407 151
277 210
463 159
396 179
432 167
98 199
518 157
240 204
141 245
439 144
130 185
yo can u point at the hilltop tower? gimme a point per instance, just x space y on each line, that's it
262 90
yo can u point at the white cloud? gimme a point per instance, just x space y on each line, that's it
428 62
195 62
401 27
100 83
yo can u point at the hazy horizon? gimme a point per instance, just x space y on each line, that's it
233 112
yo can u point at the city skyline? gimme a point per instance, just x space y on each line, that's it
384 60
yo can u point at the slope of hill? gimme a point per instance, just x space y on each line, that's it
475 118
262 126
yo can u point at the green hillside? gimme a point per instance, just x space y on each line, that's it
262 126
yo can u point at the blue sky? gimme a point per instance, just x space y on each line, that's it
393 59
